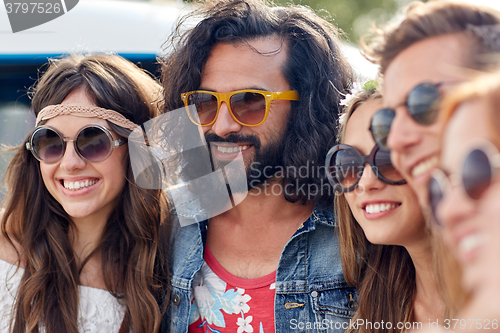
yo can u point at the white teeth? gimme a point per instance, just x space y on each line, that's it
470 242
74 186
385 207
231 149
377 208
424 166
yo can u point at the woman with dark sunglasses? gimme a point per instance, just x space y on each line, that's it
465 193
83 248
386 247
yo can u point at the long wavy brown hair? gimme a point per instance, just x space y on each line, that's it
310 130
134 243
384 275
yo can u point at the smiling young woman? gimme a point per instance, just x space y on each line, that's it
387 249
83 248
465 191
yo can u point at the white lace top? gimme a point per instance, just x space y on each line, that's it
99 311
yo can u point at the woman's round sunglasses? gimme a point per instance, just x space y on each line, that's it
345 165
477 171
93 143
422 103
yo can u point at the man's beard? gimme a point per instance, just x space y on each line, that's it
267 161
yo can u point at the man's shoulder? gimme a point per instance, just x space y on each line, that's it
186 248
324 215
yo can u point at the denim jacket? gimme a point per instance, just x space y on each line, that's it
311 293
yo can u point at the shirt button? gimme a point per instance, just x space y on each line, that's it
314 294
176 300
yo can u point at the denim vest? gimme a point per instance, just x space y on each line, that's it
311 293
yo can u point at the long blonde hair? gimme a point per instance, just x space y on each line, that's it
484 86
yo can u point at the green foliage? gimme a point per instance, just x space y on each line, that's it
354 17
372 84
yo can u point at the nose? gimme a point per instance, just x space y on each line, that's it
71 160
405 132
369 181
454 208
225 124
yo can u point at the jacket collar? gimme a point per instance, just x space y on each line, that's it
324 215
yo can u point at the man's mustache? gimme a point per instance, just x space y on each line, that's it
233 138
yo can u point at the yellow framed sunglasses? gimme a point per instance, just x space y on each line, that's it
247 107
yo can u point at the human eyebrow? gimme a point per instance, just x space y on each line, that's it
249 88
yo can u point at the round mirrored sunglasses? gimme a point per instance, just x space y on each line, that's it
477 171
93 143
345 165
422 103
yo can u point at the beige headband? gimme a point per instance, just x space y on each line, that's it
88 111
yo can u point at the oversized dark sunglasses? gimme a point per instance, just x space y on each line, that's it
345 165
476 174
247 107
93 143
422 103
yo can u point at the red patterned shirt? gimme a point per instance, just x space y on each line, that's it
226 303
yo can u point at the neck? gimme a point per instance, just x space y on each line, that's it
87 236
262 206
248 239
428 303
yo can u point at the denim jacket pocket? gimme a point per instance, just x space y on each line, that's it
337 302
333 308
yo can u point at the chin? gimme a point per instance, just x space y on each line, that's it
375 239
472 277
380 239
77 212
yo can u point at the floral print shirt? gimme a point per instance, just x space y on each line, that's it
225 303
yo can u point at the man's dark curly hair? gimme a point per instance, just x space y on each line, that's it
315 68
